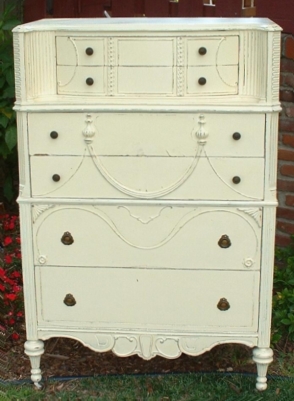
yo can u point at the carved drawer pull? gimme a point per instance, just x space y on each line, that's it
67 238
224 241
223 304
202 51
236 180
89 51
56 177
54 134
89 81
202 81
69 300
236 136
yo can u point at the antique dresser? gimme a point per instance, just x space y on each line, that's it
147 153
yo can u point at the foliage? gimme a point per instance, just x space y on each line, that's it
7 96
175 387
283 299
11 297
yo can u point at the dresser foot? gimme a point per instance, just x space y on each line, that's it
262 357
34 350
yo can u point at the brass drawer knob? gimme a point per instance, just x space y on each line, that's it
69 300
54 134
202 81
56 177
202 51
223 304
89 81
224 241
67 238
236 180
89 51
236 136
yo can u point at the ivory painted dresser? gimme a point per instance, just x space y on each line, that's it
147 152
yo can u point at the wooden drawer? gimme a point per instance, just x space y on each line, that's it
138 177
213 51
212 80
80 50
75 80
151 299
149 134
148 236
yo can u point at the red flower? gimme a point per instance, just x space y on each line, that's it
2 272
2 288
15 275
17 239
19 314
15 336
11 322
8 259
11 297
16 288
7 241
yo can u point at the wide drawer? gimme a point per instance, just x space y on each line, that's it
147 177
149 134
150 299
148 236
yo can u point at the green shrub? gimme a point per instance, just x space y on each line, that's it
283 298
8 156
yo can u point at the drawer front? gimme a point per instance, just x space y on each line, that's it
212 80
150 134
138 177
80 51
213 51
153 299
148 237
75 80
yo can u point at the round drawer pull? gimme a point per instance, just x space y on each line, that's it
236 136
56 177
89 81
67 238
236 180
202 51
223 304
89 51
202 81
224 241
69 300
54 134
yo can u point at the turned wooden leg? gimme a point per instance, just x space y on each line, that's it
262 357
34 349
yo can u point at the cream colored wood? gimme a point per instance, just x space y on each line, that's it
146 158
121 177
219 79
72 51
150 237
145 80
146 52
72 80
147 134
219 51
120 289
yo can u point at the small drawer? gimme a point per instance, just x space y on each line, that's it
79 51
146 80
75 80
157 237
150 299
213 51
145 52
212 80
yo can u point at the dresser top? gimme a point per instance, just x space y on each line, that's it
149 24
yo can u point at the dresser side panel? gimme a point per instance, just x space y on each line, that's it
40 64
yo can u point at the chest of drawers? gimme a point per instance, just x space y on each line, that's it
147 152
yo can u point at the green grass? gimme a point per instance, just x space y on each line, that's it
180 387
